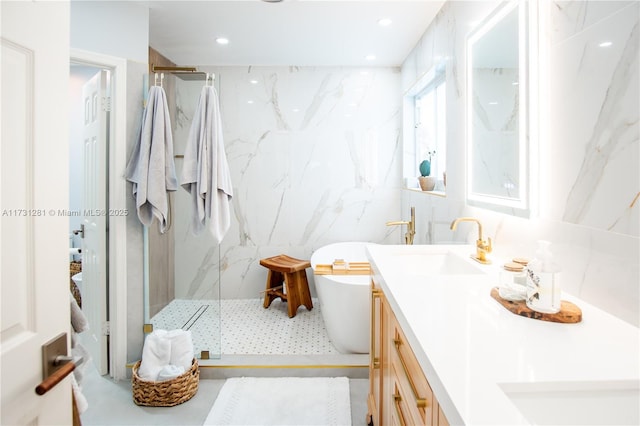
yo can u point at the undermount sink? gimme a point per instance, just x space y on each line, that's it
419 263
577 403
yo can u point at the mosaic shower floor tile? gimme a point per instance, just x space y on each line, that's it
244 327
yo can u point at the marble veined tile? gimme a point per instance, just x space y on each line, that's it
595 132
313 154
572 17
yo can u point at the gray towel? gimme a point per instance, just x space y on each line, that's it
151 168
205 172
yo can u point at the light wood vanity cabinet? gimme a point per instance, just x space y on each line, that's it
374 400
399 393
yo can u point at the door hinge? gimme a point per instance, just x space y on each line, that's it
106 328
106 103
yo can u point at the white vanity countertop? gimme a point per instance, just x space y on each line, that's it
472 349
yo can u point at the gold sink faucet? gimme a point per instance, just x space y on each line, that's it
411 227
482 247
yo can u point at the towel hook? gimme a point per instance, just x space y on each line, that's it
156 76
210 76
160 78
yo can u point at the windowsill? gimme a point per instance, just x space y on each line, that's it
433 193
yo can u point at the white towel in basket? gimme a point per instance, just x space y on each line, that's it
156 354
181 348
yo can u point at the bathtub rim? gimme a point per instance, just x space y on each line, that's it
355 280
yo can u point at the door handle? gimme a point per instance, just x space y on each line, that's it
56 365
55 378
79 231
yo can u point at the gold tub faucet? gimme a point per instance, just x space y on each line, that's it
411 227
482 247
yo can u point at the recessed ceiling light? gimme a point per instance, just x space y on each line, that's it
253 81
493 103
370 57
222 40
605 44
249 102
296 110
384 22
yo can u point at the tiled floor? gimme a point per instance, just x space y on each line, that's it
247 327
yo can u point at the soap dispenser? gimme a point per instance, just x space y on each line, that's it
543 287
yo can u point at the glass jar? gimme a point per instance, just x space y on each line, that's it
513 280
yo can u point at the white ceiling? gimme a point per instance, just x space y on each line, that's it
292 32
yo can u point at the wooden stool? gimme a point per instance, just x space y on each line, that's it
293 273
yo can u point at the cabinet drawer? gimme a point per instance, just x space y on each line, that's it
401 413
410 378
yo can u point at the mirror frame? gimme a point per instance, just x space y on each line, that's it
528 106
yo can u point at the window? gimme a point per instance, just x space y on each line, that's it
426 138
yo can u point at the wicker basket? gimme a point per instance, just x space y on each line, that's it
166 393
74 268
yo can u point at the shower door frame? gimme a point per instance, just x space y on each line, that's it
213 348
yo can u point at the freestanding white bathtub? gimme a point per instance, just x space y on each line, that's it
344 299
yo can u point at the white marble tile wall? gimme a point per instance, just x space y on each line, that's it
589 193
596 124
314 155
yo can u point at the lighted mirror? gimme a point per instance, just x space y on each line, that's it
498 105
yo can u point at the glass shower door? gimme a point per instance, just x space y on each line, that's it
195 303
197 258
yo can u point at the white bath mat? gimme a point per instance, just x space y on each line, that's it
282 401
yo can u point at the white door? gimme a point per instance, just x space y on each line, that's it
94 243
34 255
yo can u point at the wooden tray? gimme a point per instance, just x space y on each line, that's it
569 312
352 268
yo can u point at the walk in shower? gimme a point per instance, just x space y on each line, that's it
312 154
231 326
